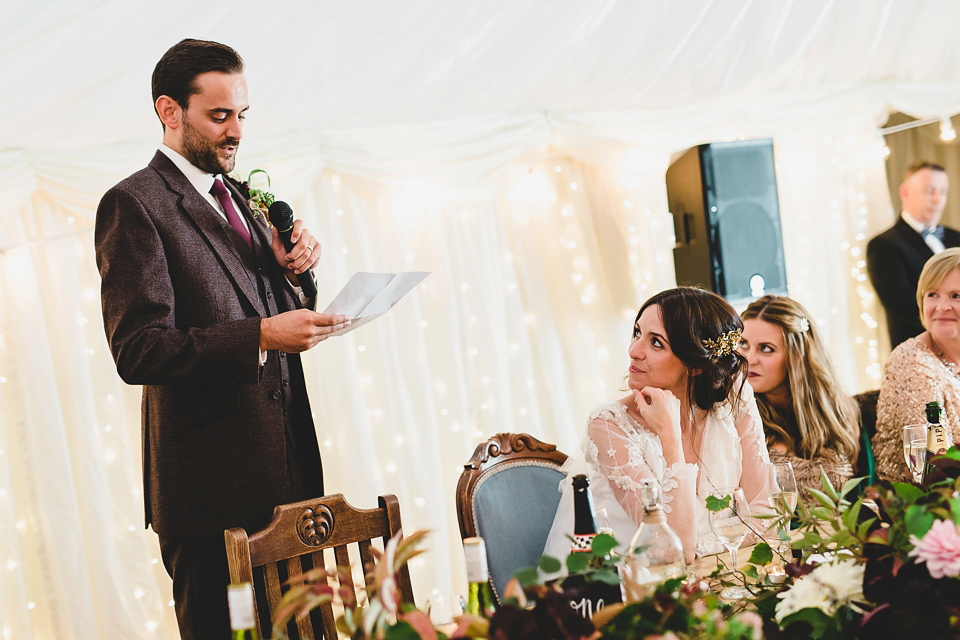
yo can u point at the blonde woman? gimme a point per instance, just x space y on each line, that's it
807 418
924 368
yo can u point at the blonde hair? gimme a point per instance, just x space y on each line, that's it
823 415
935 271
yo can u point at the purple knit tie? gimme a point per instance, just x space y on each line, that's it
223 197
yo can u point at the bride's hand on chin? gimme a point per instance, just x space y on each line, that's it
660 410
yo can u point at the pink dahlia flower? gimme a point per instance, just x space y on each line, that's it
940 549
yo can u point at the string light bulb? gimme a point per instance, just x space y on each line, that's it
947 132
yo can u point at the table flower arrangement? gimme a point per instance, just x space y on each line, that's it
531 610
887 570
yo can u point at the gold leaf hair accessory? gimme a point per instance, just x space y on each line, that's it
725 344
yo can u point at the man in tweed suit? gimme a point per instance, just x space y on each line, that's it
201 307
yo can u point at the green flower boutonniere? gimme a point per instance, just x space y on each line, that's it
258 197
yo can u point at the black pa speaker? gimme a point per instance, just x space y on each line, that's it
723 197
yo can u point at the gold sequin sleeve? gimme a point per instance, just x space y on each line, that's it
807 472
912 377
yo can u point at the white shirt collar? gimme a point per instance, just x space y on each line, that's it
915 224
201 180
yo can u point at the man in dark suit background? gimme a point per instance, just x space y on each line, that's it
896 257
201 307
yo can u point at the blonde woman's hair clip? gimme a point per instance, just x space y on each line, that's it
725 344
804 324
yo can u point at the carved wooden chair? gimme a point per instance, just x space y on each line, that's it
508 495
293 542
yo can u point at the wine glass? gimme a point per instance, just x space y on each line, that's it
730 526
915 448
443 607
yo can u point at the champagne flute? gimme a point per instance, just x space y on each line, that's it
783 494
730 526
915 449
783 485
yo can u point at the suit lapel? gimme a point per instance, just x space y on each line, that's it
259 225
211 225
256 223
914 239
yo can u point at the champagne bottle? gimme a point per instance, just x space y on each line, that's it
937 439
588 595
661 556
240 603
480 600
584 526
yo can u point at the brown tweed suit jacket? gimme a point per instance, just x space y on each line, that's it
182 316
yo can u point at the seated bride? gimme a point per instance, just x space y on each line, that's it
690 423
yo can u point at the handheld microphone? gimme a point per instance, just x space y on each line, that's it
281 217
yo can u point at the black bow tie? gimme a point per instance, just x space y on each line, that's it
936 231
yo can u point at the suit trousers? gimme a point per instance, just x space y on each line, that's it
200 575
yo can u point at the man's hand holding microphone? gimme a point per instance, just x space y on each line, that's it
297 252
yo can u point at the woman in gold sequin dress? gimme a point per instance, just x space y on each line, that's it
924 368
807 418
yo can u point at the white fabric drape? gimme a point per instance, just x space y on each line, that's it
516 150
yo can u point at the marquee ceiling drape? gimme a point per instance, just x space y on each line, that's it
516 150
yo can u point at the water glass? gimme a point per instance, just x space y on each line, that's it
915 449
731 525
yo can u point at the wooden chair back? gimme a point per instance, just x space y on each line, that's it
293 542
508 495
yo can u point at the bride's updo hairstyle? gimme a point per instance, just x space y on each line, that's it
704 333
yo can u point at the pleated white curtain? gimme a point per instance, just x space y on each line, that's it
516 150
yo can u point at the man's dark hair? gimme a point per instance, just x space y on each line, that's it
920 165
176 73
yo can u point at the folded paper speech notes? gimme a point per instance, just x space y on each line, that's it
370 295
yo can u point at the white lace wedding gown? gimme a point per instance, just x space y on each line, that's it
617 452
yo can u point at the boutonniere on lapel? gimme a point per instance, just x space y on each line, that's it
258 197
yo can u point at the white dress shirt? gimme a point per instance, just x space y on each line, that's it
935 244
201 181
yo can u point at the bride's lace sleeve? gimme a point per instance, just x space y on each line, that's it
620 459
754 474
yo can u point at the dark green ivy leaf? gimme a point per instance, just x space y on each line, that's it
578 562
762 554
549 564
602 544
716 504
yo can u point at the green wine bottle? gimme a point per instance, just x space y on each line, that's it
480 600
937 439
584 525
240 603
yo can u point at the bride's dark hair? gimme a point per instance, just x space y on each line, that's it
690 316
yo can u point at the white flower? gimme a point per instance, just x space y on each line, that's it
844 577
805 593
825 588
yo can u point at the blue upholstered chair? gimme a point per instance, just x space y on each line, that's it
508 495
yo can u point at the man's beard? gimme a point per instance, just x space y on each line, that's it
202 152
